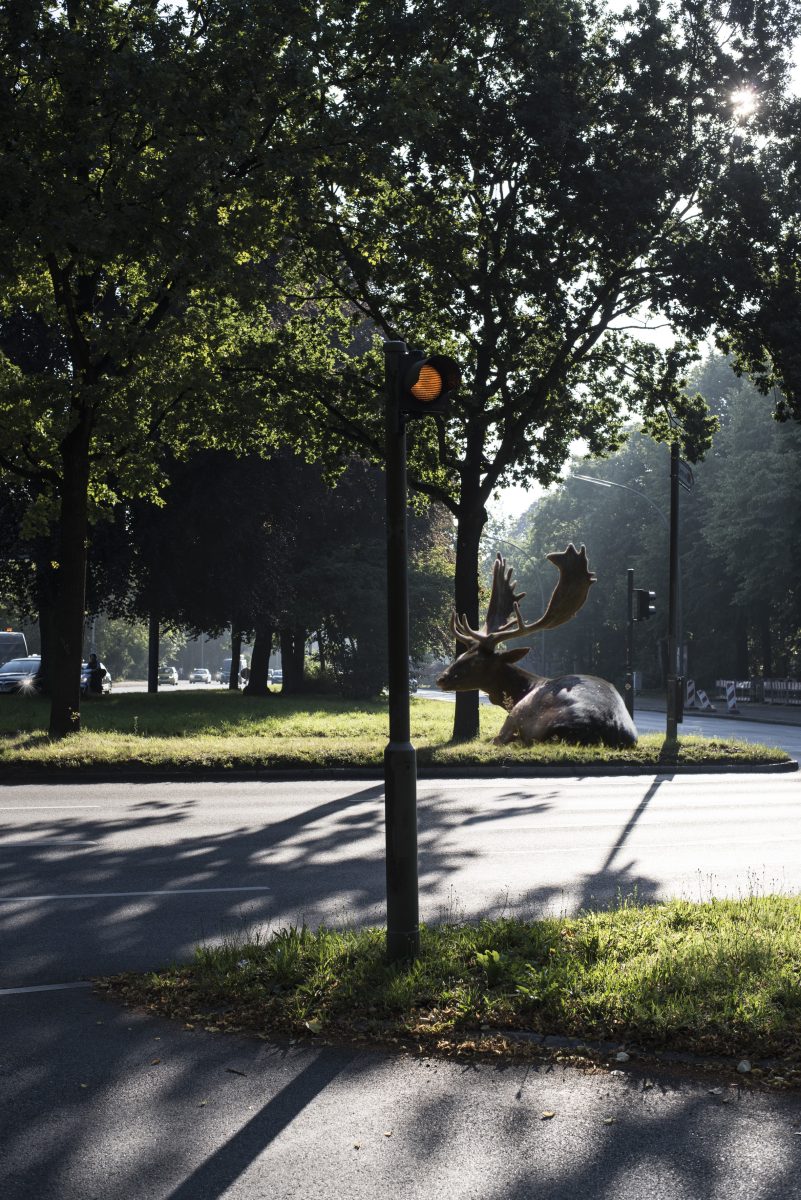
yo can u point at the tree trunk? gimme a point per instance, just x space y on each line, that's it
293 643
260 662
153 653
67 647
470 523
236 654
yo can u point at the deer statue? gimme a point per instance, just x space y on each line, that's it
576 708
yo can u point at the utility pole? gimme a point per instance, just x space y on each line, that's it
674 681
628 690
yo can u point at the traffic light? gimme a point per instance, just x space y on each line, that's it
644 606
426 384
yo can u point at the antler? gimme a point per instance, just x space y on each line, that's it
569 595
503 602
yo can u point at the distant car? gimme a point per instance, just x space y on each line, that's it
200 675
168 675
278 677
105 680
19 674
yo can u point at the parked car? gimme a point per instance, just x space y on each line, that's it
168 675
19 674
105 679
225 671
200 675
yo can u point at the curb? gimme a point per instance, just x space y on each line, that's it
312 774
636 1055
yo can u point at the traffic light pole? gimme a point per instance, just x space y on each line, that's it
400 760
629 688
674 682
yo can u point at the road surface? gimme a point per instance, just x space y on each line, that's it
102 1102
98 877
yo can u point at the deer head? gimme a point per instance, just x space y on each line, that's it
481 665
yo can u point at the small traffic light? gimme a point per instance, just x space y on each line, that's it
426 384
644 604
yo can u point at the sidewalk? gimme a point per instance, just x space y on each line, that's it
775 714
103 1101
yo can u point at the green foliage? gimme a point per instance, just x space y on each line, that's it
741 582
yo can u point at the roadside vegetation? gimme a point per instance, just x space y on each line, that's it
720 978
225 730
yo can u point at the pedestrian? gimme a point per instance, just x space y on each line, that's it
95 676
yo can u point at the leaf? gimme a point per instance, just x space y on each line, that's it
314 1026
546 1116
153 1061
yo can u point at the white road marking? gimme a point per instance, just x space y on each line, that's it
112 895
45 987
30 807
44 842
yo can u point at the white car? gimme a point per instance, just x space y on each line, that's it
168 675
200 675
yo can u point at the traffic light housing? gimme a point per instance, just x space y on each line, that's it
644 604
426 383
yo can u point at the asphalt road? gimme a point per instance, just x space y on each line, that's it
97 877
101 1102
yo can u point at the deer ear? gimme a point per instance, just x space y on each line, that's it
513 656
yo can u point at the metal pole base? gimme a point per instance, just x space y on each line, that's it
403 918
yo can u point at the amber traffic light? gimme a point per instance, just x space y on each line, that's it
427 383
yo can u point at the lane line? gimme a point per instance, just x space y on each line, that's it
31 807
45 987
112 895
44 842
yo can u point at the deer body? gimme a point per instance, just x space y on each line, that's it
574 708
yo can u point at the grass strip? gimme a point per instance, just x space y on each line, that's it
225 730
718 978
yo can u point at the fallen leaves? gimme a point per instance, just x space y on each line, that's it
547 1115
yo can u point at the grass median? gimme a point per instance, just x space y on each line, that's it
220 730
721 978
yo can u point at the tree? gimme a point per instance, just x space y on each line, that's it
741 588
147 160
546 174
265 546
